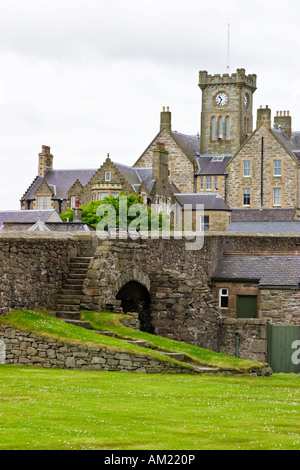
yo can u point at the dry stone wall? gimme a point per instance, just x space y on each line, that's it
29 349
33 267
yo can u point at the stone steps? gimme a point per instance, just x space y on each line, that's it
68 302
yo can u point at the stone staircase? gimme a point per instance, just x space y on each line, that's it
68 303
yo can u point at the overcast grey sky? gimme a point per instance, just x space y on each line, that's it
90 77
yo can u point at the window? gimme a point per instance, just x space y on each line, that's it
44 203
213 128
246 197
115 194
204 223
247 168
107 176
201 183
277 196
208 183
227 128
220 128
218 158
215 183
73 200
40 203
223 298
101 196
277 167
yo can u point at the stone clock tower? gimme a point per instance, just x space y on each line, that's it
227 111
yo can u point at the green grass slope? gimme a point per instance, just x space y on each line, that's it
45 324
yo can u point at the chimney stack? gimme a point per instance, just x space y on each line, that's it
264 116
45 160
165 119
283 122
160 167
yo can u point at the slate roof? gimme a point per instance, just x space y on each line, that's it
212 202
189 144
207 165
292 144
61 181
268 270
27 216
265 227
48 226
265 215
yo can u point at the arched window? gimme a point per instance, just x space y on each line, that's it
220 127
213 128
227 127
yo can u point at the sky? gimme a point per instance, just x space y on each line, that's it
90 77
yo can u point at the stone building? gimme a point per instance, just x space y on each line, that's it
249 169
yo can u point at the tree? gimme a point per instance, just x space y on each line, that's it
138 215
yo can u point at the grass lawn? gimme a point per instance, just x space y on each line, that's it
63 409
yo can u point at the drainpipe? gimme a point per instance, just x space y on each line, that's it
262 174
225 189
237 344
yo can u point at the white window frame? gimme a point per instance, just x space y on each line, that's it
215 183
73 201
47 202
223 293
247 169
277 198
275 168
108 176
40 201
101 196
208 183
204 224
201 183
246 195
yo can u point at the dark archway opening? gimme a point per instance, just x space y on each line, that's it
135 298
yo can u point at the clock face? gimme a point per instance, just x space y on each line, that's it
221 99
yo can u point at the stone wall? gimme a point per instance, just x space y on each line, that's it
280 306
252 150
29 349
181 169
252 340
33 267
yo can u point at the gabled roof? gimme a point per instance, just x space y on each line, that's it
189 144
61 181
29 216
211 202
281 138
267 270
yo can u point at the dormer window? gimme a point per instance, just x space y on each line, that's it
107 176
43 202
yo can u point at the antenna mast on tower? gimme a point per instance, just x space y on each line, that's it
228 48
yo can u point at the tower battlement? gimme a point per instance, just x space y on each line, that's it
239 78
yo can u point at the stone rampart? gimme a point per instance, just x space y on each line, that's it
29 349
33 267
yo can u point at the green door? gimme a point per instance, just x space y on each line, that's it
284 348
246 306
